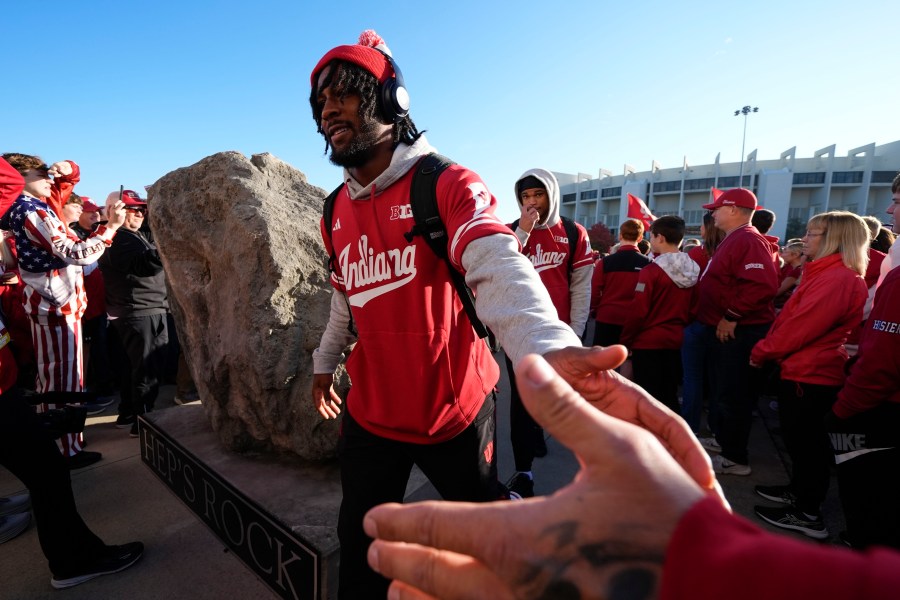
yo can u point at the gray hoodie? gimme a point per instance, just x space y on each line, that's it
580 279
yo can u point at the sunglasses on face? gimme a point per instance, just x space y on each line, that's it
137 211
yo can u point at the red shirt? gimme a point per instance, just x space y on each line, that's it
807 339
875 376
876 257
420 374
740 280
715 554
613 282
548 250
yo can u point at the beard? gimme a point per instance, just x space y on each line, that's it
361 148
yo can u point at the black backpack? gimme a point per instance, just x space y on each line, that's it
428 224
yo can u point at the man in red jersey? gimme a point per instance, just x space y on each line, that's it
423 383
735 304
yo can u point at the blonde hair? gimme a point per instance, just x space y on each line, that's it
846 234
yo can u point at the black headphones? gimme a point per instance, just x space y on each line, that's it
394 98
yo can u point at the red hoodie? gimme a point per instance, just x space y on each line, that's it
714 554
875 376
807 339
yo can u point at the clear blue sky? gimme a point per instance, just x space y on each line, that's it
133 90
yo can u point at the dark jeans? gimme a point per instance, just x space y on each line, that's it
734 386
607 334
801 410
375 470
694 361
867 452
658 372
144 340
523 431
31 455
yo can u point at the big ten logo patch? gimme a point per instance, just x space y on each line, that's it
404 211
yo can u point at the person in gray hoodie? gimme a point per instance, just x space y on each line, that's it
565 269
661 309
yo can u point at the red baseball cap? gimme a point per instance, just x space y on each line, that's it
739 197
88 206
129 197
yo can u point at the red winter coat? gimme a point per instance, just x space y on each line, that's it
807 339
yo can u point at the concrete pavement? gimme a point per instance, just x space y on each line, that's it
121 500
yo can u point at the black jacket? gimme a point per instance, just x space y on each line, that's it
133 275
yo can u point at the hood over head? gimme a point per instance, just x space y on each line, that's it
551 185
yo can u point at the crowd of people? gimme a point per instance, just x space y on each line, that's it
83 316
725 319
706 317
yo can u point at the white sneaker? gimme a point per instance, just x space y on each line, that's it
710 444
726 467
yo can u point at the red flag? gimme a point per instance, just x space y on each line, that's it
715 192
638 210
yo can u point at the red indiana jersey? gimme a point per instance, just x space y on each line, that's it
548 250
419 371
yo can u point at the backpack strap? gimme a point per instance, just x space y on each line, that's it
428 224
572 235
328 218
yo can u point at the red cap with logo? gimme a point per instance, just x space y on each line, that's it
88 206
739 197
129 197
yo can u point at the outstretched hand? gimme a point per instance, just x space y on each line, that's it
602 536
326 400
590 372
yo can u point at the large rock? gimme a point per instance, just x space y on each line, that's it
239 239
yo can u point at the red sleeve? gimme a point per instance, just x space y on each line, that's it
873 377
11 185
808 315
757 278
640 306
467 209
62 189
714 554
584 256
700 256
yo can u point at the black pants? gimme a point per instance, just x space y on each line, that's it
144 340
98 376
375 470
607 334
31 455
658 372
523 431
867 452
801 410
735 388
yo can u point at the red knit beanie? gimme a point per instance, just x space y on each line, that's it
363 53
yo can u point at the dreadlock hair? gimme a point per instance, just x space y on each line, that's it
349 78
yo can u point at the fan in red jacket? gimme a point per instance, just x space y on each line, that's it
807 341
864 427
660 311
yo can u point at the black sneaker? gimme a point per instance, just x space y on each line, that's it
95 408
521 484
125 421
793 519
15 504
82 459
13 525
777 493
112 560
134 430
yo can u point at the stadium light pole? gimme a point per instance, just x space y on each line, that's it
744 111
